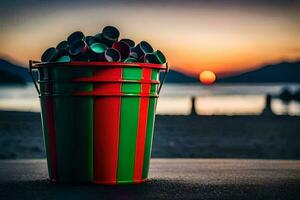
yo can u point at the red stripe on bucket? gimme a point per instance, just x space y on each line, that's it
51 138
106 134
141 135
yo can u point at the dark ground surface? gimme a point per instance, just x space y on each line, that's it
272 137
169 179
269 137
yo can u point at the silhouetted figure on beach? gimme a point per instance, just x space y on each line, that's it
268 110
193 108
296 95
285 96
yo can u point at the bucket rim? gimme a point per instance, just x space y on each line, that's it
99 94
95 64
94 80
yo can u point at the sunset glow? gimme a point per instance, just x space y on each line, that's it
224 38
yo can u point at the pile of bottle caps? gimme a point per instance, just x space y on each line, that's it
104 47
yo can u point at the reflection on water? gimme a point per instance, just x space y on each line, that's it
19 98
175 99
225 99
293 108
239 103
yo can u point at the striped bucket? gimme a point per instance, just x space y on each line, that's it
98 119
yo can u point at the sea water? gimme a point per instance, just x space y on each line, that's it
175 99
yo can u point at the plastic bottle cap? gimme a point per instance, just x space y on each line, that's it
64 59
98 47
130 60
112 55
146 47
110 32
123 48
150 58
160 57
74 37
62 45
77 47
130 42
49 55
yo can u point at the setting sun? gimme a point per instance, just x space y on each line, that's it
207 77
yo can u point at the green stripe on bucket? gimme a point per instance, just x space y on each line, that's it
132 73
155 74
74 130
64 85
131 88
149 136
74 133
129 118
45 132
150 128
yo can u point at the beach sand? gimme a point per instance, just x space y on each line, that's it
270 137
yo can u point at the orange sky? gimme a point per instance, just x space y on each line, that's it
194 38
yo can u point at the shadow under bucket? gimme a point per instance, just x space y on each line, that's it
98 119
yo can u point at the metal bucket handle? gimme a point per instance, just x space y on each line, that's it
30 72
164 78
38 90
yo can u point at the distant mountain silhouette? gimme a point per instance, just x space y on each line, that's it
178 77
275 73
13 74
